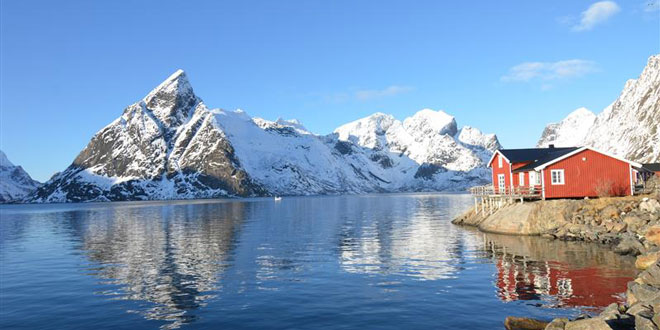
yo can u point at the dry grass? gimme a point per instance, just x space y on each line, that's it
607 188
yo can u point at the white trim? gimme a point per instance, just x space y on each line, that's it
493 156
632 186
561 179
499 162
543 184
578 150
521 179
511 177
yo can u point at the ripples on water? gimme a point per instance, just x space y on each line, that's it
375 261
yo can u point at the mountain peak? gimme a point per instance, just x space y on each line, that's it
173 99
177 81
4 161
429 120
581 112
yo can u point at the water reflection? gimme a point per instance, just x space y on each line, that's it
561 274
418 244
384 261
169 260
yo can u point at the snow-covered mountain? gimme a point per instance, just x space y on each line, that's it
629 127
15 183
170 145
569 132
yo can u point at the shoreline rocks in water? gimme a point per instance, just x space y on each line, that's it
631 225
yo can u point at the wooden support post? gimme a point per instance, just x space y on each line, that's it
476 206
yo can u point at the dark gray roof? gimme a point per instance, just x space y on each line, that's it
654 167
532 154
536 156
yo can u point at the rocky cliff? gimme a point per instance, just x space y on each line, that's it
629 127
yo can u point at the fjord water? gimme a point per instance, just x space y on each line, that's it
372 261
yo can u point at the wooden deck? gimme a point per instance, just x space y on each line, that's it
488 200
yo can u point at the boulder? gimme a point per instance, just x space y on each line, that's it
640 309
609 212
618 227
557 324
652 234
640 293
650 206
643 322
595 323
523 323
634 222
608 224
612 312
628 245
651 276
645 261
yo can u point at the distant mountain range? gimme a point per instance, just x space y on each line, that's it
629 127
170 145
15 183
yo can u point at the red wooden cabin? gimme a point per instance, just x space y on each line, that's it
562 172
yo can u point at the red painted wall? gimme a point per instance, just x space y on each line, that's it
581 177
527 183
506 170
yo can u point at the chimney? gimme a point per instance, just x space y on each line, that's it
551 146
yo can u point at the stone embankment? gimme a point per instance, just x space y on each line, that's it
631 225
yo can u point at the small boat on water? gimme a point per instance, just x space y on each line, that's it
278 198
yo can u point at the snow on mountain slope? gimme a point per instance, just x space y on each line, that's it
569 132
15 183
170 145
428 144
629 127
166 146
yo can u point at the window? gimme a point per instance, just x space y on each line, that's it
499 161
557 176
521 179
500 183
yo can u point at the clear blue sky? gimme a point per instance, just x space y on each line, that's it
68 68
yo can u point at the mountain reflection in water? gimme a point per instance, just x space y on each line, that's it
372 261
169 261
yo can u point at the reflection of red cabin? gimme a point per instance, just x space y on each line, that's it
572 287
562 172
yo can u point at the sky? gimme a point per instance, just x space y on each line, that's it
69 68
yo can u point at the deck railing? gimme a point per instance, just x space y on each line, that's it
508 191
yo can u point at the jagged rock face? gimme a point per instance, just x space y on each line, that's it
629 127
569 132
428 137
166 146
171 146
15 183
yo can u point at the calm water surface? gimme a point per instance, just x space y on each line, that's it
374 261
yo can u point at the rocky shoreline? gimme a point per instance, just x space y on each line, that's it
631 225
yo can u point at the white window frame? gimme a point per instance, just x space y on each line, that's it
501 184
560 177
521 179
499 161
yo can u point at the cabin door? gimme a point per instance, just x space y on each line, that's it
500 183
